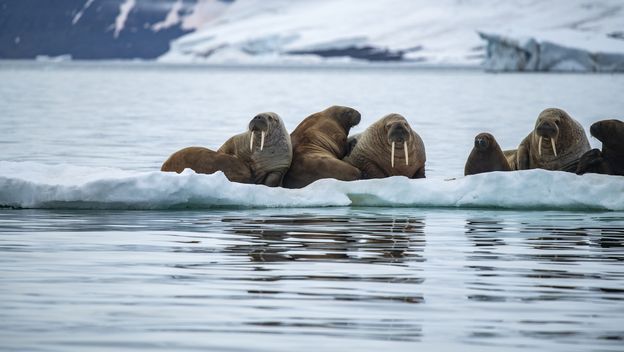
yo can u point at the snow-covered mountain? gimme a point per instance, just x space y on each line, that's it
99 29
529 35
585 35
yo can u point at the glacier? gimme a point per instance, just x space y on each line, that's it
421 33
64 186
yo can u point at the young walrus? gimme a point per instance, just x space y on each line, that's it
486 156
261 155
319 143
388 147
609 160
556 143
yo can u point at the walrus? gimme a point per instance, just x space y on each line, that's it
609 160
261 155
486 156
388 147
556 143
319 143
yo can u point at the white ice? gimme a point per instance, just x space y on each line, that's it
36 185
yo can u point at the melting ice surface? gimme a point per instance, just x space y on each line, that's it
65 186
540 272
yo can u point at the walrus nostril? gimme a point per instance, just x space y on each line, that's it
480 143
398 133
258 124
546 129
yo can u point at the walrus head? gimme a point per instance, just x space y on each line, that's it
346 116
399 134
610 133
262 123
548 129
484 141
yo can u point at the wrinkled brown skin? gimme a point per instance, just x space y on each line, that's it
486 156
570 140
609 160
511 156
371 150
237 161
319 143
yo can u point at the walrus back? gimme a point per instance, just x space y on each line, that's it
318 144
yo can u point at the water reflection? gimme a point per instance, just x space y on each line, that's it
385 240
546 264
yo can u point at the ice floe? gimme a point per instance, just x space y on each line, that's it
36 185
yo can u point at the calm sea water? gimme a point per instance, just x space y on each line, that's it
304 279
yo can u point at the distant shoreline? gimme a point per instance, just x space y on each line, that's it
351 66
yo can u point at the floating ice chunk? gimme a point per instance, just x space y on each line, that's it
34 185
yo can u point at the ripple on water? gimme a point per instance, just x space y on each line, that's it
282 279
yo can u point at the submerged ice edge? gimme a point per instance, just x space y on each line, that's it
34 185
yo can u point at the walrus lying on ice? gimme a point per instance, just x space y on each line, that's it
389 147
319 143
261 155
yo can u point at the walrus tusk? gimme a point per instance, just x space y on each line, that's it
539 146
251 141
552 141
261 140
392 155
406 154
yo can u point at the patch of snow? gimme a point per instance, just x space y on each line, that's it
35 185
124 11
172 18
203 13
78 15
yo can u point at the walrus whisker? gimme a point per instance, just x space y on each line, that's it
539 146
406 154
261 140
251 141
552 141
392 155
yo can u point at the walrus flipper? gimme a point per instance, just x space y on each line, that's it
420 173
571 166
273 179
206 161
324 167
592 162
351 143
511 155
522 157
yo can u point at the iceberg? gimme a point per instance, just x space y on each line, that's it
36 185
528 54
